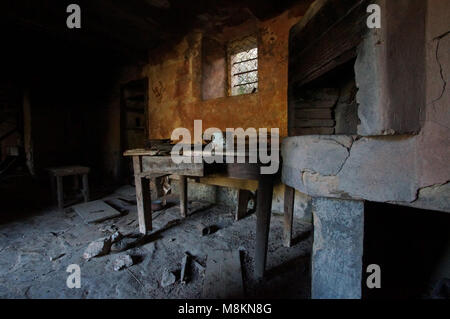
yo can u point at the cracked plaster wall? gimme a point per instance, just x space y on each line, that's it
409 170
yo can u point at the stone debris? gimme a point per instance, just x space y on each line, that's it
109 229
116 237
209 230
125 242
122 262
168 278
97 248
53 258
201 269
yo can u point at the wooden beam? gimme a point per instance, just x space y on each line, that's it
328 39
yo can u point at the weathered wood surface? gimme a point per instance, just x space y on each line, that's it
314 123
334 30
95 211
165 165
141 152
305 114
325 38
143 198
68 170
223 276
312 131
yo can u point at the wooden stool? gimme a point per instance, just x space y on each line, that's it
59 172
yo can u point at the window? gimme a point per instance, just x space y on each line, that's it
243 61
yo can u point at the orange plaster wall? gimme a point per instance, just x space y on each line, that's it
175 78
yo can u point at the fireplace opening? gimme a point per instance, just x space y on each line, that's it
327 105
412 248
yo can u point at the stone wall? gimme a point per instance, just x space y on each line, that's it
404 169
177 86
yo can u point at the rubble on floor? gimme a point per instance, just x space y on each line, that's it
169 262
122 262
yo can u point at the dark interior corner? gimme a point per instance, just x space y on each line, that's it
410 245
340 156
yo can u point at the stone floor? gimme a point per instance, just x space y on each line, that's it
36 250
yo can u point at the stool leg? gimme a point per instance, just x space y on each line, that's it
76 182
53 189
85 190
60 192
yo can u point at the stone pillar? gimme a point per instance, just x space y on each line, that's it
337 249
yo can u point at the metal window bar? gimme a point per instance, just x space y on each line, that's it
243 55
243 61
245 83
245 72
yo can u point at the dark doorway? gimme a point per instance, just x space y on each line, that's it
134 121
410 245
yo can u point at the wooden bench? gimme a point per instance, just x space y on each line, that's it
57 173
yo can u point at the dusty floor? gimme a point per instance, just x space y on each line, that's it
28 244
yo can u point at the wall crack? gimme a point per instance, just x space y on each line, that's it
441 70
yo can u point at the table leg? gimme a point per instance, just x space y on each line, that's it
289 197
60 192
263 214
183 196
85 189
143 198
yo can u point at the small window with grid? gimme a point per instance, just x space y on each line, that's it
243 59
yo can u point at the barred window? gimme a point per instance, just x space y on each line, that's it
243 59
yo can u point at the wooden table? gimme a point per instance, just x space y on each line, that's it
148 166
59 172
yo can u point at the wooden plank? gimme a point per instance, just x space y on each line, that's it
223 276
328 37
68 170
185 268
243 170
314 114
242 205
314 123
312 131
165 165
140 151
95 211
263 214
289 200
143 199
183 196
326 67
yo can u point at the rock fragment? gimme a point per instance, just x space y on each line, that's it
122 262
168 278
97 248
